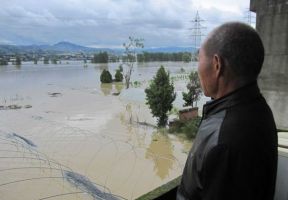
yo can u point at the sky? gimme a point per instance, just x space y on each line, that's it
109 23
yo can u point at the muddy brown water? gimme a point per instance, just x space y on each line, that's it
76 140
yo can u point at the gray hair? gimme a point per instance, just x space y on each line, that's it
239 47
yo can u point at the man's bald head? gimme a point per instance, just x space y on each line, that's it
239 48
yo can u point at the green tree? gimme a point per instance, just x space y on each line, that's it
105 77
140 57
113 58
186 57
194 90
130 56
160 96
161 56
101 57
118 76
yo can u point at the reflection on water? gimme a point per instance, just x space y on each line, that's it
111 88
119 86
86 137
18 67
162 147
106 88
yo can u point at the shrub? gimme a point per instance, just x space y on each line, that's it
106 77
189 128
118 76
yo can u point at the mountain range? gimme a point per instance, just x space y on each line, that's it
68 47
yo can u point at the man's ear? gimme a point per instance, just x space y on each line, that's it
217 65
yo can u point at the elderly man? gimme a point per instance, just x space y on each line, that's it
234 155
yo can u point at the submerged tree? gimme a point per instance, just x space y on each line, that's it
130 56
105 77
160 96
194 90
118 76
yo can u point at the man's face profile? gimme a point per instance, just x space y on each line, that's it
206 74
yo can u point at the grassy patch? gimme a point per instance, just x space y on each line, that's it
189 128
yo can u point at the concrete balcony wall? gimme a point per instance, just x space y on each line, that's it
272 25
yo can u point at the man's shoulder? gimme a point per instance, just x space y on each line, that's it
248 125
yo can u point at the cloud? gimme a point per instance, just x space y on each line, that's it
110 22
224 5
7 42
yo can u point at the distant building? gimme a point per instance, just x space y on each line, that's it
272 25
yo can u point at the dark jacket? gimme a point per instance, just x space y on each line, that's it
234 155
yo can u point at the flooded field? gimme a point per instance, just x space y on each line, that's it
63 135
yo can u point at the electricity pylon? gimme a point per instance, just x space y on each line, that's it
197 34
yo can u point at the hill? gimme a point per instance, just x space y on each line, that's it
68 47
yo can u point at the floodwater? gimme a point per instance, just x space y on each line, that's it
64 135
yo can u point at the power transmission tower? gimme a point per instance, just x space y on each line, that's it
197 34
250 18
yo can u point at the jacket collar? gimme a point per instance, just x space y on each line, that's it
241 95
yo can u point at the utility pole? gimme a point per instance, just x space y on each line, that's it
197 33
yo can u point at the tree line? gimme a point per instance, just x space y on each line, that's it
160 56
101 57
4 61
104 57
18 60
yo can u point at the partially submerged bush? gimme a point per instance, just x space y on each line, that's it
118 76
106 77
189 128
